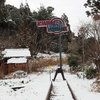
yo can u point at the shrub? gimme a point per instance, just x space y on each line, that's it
90 73
1 56
78 75
73 61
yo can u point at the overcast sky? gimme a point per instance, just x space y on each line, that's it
74 9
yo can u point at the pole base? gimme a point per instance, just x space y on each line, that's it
59 70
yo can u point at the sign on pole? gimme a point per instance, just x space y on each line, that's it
49 67
55 25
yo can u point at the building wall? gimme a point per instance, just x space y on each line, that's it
4 69
16 67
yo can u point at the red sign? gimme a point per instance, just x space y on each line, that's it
55 25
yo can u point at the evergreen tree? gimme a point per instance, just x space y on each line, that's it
95 8
44 13
42 38
3 14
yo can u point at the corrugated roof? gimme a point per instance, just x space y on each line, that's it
23 52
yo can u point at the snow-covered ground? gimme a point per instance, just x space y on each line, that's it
82 88
35 86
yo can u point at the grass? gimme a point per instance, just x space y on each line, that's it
96 84
41 63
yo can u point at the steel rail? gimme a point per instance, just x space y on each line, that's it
73 95
70 89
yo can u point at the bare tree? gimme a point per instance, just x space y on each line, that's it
91 34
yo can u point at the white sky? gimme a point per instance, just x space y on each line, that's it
74 9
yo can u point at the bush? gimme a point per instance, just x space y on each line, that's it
1 56
78 75
73 61
90 73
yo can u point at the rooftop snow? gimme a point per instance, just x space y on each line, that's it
17 60
16 52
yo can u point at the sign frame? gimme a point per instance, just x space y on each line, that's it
56 25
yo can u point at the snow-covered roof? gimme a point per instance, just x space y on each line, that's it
16 60
23 52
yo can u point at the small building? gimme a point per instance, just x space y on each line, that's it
16 59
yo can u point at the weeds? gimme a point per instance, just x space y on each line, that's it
90 73
40 63
96 84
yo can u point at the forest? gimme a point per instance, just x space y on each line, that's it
18 30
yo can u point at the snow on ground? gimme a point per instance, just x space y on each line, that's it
36 86
50 55
82 88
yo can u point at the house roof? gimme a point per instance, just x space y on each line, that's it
16 60
23 52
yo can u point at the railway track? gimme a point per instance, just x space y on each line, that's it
61 90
